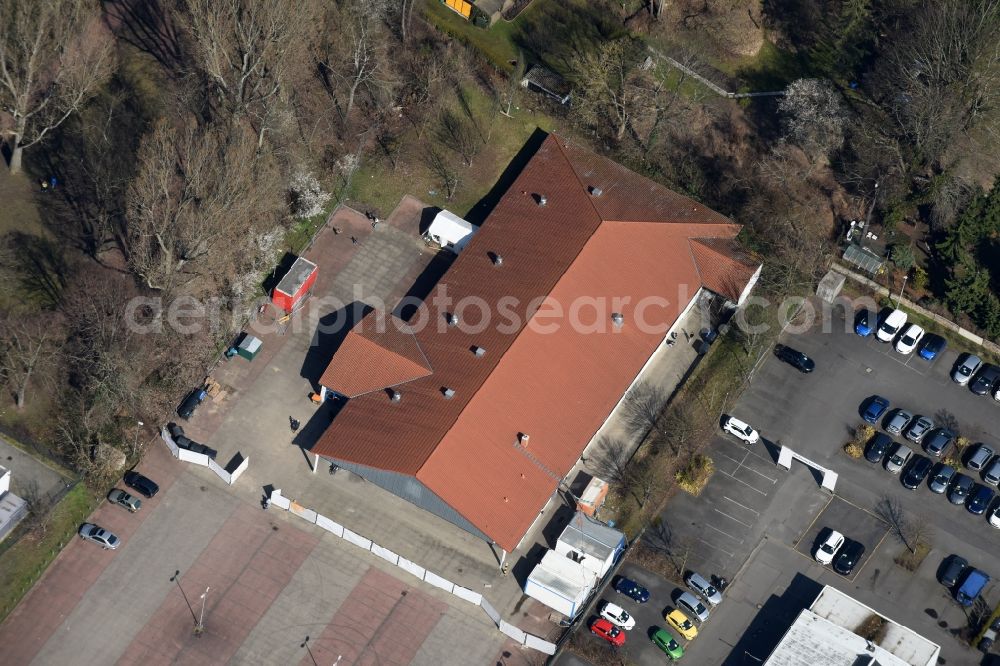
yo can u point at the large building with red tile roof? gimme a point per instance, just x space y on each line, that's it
478 406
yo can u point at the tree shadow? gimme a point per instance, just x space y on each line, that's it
581 28
41 266
145 25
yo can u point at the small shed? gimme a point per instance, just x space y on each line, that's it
591 543
449 231
544 80
295 285
590 500
249 347
560 583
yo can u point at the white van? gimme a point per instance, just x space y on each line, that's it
890 326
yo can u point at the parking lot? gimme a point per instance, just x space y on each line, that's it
757 524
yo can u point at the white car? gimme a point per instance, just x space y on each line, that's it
824 554
892 324
617 616
909 340
741 430
994 517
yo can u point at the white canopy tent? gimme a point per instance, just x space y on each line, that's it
449 231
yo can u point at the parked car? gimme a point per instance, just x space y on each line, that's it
795 358
144 485
980 456
965 367
953 571
980 498
932 346
941 478
920 426
848 557
704 589
877 447
984 382
691 605
99 535
898 422
864 322
123 499
938 442
663 640
960 489
609 632
986 642
740 430
829 546
909 340
992 473
897 458
916 472
975 581
631 589
877 406
616 615
682 623
993 517
191 402
890 326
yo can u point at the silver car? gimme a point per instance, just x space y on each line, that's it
690 603
980 456
967 366
992 473
704 589
941 479
918 429
123 499
898 422
99 535
900 454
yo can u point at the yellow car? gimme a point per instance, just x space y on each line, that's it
681 623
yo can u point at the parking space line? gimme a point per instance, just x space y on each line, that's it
755 512
771 479
747 525
714 547
742 463
744 483
736 539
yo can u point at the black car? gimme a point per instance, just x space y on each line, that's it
936 443
794 358
191 402
848 557
980 497
960 489
145 486
917 472
953 571
986 380
878 447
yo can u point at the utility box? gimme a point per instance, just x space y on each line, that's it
296 284
249 347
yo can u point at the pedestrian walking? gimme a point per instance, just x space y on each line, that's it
294 423
354 241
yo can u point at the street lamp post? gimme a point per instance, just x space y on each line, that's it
901 291
199 628
135 440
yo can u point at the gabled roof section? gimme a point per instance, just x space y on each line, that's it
379 352
724 267
626 196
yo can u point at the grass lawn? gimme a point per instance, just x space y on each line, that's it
496 43
23 562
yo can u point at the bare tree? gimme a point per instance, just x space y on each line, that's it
509 87
197 195
28 342
644 405
611 460
355 54
609 84
441 168
249 51
52 59
910 532
814 116
460 134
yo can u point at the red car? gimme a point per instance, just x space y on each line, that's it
608 631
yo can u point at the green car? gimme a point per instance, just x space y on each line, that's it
666 642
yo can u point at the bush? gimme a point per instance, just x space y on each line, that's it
911 561
854 449
873 628
902 256
919 279
694 476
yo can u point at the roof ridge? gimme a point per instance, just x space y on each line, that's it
558 141
694 260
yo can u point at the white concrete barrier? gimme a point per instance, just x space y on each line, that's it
512 631
192 457
488 608
438 581
334 528
280 501
305 514
357 539
536 643
385 554
169 441
467 594
411 567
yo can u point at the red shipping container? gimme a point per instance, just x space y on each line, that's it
295 285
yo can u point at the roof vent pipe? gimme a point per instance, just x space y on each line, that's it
596 191
522 438
618 318
452 319
542 199
497 260
396 396
479 351
449 393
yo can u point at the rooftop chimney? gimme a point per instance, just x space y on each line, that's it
452 319
618 319
542 199
449 393
396 396
596 191
522 438
497 260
